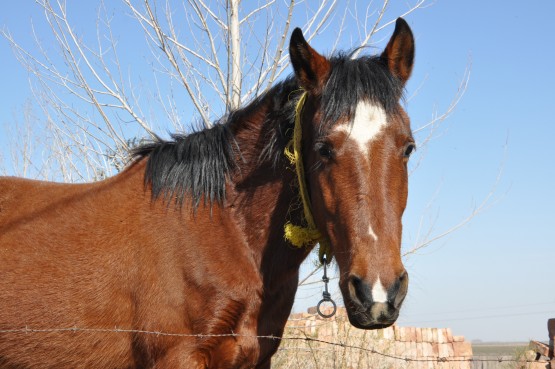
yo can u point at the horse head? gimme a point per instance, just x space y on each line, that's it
355 147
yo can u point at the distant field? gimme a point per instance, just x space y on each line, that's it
498 348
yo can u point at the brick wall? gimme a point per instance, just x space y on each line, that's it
407 342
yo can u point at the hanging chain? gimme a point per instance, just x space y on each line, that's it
326 296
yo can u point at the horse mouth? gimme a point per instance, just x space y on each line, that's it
369 325
374 317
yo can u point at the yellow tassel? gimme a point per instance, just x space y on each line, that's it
301 236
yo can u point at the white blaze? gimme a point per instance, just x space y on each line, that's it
368 122
372 233
379 294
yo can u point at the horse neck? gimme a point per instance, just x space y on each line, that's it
263 192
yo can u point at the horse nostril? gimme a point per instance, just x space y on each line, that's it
360 292
401 289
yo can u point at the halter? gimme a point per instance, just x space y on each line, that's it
308 235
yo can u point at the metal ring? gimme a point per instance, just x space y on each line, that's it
320 311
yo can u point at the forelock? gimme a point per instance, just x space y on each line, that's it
354 80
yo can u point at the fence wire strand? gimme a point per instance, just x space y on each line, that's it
427 359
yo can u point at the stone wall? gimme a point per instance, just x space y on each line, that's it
431 347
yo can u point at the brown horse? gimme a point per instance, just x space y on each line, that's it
189 240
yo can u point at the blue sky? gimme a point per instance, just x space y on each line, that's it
492 279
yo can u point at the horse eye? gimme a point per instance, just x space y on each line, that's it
324 151
409 149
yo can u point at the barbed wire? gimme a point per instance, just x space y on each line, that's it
438 359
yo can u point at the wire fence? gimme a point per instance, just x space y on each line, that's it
306 339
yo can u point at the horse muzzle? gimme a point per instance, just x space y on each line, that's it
373 306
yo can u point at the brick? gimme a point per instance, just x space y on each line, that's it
458 338
419 349
441 335
430 335
409 350
335 326
403 334
426 335
397 332
312 310
434 335
431 365
462 349
406 349
448 335
373 334
325 333
388 333
411 336
445 350
435 349
427 349
398 348
382 346
414 349
418 335
423 335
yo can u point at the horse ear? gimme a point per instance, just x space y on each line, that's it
399 52
311 68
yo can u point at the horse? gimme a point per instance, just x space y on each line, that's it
180 260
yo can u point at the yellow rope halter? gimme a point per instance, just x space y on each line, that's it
308 235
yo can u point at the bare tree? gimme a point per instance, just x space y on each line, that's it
210 55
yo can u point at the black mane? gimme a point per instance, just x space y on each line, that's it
198 164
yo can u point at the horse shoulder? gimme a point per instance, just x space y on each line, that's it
197 277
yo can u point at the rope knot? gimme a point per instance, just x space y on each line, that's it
301 236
